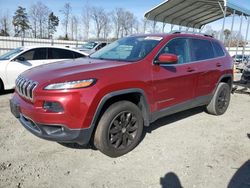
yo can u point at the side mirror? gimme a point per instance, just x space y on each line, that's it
167 59
20 58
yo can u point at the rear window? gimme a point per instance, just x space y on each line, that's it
219 52
201 50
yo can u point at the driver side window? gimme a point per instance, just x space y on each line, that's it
179 47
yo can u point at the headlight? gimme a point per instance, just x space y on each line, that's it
71 85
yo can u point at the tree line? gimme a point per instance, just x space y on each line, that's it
38 21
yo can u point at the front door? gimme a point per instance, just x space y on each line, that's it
174 83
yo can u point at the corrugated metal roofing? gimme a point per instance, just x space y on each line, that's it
193 13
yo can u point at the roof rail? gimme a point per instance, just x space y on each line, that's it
190 32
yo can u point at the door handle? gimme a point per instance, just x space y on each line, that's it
218 65
190 69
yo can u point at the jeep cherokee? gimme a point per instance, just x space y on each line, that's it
109 97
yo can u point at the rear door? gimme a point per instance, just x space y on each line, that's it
207 66
174 83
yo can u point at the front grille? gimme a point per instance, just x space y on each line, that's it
25 87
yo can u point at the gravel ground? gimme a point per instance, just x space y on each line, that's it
188 149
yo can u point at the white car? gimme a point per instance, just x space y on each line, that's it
91 47
20 59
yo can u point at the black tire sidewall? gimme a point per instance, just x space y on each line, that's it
101 135
220 88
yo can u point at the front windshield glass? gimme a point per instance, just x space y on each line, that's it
128 49
89 45
10 54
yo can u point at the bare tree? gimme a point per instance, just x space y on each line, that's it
106 25
39 14
144 25
117 15
128 20
98 15
86 21
74 27
5 25
66 11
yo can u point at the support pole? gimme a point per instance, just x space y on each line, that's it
238 40
244 49
222 38
232 27
163 26
172 26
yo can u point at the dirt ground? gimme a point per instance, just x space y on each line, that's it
188 149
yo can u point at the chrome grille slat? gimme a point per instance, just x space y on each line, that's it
25 87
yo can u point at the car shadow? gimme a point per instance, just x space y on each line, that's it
77 146
5 92
241 178
157 124
172 118
170 180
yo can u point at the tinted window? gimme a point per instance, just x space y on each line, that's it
29 55
56 53
40 53
179 47
218 50
201 49
78 55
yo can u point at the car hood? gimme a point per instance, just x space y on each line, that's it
69 70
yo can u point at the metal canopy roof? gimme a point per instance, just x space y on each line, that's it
193 13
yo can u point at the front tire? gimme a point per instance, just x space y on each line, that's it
220 101
119 129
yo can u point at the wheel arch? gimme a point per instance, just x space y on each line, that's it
227 78
135 95
1 85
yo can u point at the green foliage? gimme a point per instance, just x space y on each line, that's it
4 33
20 21
53 22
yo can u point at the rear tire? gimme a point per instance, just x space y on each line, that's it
220 101
119 129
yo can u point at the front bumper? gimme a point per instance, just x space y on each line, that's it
58 133
51 131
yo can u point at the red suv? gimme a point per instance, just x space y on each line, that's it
109 97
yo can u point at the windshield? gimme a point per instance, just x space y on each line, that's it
89 45
10 54
128 49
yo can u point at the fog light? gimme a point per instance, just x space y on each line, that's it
53 106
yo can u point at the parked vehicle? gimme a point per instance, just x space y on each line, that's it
20 59
110 96
245 78
91 47
239 58
241 61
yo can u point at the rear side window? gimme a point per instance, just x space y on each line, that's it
219 52
40 53
201 49
56 53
